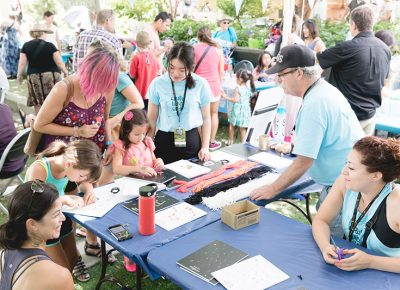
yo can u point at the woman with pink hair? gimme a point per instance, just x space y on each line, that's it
77 108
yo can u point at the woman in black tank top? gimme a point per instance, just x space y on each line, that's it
34 217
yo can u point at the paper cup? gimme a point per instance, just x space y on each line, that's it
263 142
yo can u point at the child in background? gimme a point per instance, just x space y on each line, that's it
144 65
133 153
240 114
168 44
264 63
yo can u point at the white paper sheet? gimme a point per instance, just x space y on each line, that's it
222 155
271 160
106 200
255 273
178 215
187 169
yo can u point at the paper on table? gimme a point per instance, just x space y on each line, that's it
222 155
187 169
271 160
106 200
178 215
254 273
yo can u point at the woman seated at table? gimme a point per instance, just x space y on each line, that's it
34 217
370 203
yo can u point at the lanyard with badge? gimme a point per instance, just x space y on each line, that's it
179 133
354 222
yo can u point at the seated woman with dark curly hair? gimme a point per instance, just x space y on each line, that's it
34 217
370 202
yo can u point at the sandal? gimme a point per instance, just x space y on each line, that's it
110 258
80 271
81 232
130 266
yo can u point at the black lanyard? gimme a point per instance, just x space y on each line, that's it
355 223
176 100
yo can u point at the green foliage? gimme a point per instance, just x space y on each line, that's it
38 7
249 8
142 10
333 33
179 29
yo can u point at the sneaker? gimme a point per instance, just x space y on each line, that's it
215 145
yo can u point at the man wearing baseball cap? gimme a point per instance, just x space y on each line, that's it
326 126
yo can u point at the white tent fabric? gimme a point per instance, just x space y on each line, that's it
264 4
238 4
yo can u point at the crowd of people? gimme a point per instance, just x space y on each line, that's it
101 122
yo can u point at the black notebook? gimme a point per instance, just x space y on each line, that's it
242 150
210 258
163 201
166 177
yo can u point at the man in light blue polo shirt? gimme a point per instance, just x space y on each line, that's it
326 126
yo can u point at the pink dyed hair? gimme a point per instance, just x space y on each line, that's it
98 72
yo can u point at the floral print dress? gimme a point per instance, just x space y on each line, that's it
72 115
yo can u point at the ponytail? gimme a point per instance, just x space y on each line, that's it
204 35
251 78
55 148
190 81
12 235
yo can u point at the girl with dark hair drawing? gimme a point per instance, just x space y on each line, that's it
179 109
133 152
34 217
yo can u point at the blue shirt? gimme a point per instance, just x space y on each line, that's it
160 93
119 102
225 38
326 130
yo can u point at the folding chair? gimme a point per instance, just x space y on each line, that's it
244 64
13 152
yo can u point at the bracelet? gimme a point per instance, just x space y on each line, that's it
108 143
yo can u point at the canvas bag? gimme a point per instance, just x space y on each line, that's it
35 141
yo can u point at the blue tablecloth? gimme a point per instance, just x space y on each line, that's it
286 243
139 246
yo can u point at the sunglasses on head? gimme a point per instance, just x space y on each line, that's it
36 187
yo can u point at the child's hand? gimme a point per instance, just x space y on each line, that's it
158 164
223 94
147 171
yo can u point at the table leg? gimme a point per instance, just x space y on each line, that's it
139 274
306 215
104 264
308 196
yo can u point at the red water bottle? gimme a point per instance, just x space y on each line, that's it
147 211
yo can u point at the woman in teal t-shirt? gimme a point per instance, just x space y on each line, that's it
370 202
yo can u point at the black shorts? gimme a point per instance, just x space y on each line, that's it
165 146
66 230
